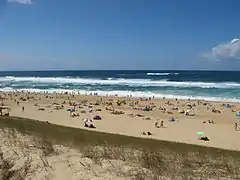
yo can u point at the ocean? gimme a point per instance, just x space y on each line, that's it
208 85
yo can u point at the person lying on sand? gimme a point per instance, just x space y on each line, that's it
204 138
210 121
73 115
148 133
91 126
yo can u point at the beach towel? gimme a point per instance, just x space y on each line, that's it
97 118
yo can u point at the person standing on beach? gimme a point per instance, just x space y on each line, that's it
23 109
236 126
161 125
86 122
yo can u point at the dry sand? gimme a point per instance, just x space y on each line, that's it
222 133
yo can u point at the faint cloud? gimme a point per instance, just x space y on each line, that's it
225 51
20 1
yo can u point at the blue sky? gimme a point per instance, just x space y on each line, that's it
119 34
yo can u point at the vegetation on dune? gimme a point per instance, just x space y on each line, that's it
158 159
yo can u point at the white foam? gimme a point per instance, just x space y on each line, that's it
137 94
161 74
121 81
6 89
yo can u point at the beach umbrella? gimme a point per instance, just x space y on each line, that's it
200 133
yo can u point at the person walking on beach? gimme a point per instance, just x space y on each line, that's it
236 126
156 125
161 125
23 109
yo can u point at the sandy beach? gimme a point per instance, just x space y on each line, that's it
133 116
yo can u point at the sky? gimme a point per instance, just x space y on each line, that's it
119 34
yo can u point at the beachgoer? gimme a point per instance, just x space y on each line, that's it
204 138
236 126
91 124
85 122
161 125
23 109
156 124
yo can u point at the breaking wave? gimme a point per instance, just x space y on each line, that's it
124 94
118 82
161 74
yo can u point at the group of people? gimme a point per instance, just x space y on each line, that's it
209 121
159 126
88 123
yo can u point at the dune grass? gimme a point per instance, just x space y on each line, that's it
162 158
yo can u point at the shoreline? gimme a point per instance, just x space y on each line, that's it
119 94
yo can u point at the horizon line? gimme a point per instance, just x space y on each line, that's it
151 70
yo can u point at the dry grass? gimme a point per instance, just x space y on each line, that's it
157 159
16 158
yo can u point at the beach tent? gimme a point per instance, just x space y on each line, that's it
228 106
171 119
146 109
238 114
97 118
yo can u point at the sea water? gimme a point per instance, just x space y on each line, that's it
208 85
